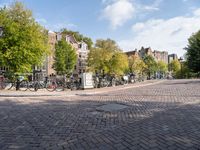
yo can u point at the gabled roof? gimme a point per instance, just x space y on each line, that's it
72 37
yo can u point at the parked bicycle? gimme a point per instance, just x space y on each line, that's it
63 83
14 82
36 82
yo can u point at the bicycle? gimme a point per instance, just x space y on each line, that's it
35 83
63 84
17 82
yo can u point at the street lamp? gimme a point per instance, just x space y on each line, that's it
1 31
181 60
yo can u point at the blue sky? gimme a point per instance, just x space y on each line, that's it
159 24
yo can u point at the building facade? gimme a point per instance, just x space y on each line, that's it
172 57
161 56
81 51
132 53
158 55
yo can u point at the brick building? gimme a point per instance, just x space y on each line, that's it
80 47
158 55
172 57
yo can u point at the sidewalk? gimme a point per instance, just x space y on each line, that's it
69 93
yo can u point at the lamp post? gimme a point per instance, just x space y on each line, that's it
1 32
181 60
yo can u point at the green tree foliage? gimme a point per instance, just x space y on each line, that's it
108 57
183 72
136 64
151 64
175 68
193 52
65 58
174 65
79 37
24 42
162 67
118 64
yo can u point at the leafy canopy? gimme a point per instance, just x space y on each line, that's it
24 42
193 52
65 58
108 57
174 65
150 63
162 67
136 65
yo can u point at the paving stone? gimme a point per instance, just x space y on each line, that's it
158 116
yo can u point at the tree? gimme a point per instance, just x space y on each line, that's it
24 42
193 52
151 65
106 56
136 65
162 67
175 68
184 72
65 58
175 65
79 37
118 64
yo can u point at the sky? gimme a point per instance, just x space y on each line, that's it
163 25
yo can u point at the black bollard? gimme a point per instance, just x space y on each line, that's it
17 85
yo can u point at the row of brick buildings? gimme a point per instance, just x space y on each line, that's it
158 55
81 51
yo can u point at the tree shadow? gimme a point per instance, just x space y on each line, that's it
58 123
182 82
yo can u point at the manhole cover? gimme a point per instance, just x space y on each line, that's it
111 107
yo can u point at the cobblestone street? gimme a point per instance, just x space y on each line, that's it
161 116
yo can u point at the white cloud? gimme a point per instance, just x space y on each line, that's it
118 12
153 7
197 12
170 34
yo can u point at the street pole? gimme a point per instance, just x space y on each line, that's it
180 60
181 72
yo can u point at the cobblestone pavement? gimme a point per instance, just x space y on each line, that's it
159 116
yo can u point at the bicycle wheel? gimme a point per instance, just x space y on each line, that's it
60 86
10 85
113 82
2 85
125 82
5 84
105 83
72 86
51 86
23 86
32 86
